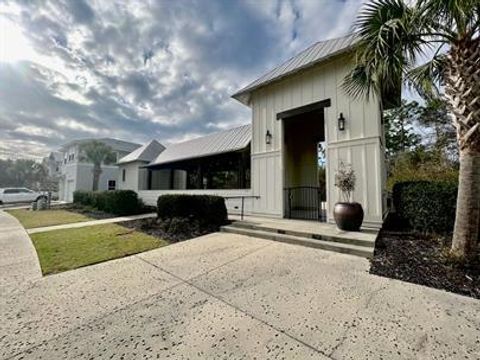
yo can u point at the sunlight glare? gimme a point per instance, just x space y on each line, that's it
13 44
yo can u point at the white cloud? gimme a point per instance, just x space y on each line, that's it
145 70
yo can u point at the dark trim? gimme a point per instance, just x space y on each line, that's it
304 109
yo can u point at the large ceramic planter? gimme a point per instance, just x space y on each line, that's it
348 216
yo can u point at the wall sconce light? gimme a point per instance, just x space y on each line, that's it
341 122
268 138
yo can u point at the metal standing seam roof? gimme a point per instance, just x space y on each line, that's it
317 53
221 142
145 153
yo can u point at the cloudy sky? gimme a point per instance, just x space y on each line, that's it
137 70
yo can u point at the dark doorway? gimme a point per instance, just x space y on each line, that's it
304 164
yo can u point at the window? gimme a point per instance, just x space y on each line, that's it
111 184
124 174
11 191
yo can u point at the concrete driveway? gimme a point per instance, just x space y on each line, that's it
229 296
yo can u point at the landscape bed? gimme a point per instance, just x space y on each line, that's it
89 211
424 260
67 249
172 230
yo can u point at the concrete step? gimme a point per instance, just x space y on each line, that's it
345 239
362 251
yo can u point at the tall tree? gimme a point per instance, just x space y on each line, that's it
23 173
434 116
392 36
97 153
399 132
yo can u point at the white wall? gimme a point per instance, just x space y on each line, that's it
84 178
360 144
150 197
132 178
79 176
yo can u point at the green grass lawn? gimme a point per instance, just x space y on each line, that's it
32 219
62 250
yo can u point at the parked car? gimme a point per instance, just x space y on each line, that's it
19 195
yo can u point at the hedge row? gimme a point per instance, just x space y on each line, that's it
206 209
118 202
426 206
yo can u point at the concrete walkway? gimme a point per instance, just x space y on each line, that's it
230 296
91 223
18 258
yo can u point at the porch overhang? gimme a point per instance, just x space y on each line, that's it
319 105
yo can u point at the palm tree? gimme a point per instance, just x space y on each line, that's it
97 153
393 35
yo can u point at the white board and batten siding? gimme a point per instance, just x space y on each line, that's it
360 144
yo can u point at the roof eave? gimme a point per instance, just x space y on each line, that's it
199 157
130 161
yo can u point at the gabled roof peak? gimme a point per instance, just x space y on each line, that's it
145 153
313 55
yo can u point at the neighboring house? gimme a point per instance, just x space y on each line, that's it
295 107
76 174
133 174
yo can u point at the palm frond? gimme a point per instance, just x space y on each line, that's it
427 78
455 18
388 45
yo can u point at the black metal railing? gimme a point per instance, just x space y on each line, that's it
305 202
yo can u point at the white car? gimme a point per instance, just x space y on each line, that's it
19 195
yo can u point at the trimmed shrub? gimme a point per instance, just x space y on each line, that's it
82 197
118 202
426 206
207 209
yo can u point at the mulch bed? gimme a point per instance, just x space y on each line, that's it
173 230
90 212
424 260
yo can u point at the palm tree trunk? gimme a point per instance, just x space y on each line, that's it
97 171
462 88
467 219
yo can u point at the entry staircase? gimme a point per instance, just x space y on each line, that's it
360 244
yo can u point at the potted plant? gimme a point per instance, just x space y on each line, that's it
347 213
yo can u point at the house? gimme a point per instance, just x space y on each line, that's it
216 164
296 108
133 174
76 174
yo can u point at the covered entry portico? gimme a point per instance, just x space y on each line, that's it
309 86
304 185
